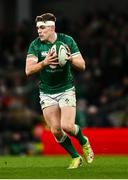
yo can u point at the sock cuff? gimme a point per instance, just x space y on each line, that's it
62 138
76 129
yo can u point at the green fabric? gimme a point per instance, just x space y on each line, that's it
54 80
67 145
81 118
80 137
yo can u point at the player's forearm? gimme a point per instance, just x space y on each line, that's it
78 64
33 68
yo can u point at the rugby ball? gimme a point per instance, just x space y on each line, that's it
60 49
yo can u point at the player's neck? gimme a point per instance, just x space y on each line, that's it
53 38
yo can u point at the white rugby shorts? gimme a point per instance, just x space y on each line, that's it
66 98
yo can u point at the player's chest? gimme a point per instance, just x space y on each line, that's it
43 51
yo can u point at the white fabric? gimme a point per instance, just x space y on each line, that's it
46 23
32 57
67 98
76 129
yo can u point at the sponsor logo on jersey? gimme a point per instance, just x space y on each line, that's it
44 53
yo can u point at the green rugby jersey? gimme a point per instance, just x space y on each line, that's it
54 79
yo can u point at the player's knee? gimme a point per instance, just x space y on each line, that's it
57 132
68 127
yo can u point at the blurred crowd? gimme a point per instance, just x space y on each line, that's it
102 90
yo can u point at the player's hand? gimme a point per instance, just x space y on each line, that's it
69 56
51 59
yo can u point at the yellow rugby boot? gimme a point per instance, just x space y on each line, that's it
88 152
76 162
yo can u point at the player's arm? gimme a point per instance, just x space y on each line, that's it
74 55
33 66
78 62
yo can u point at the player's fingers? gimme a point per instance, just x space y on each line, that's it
53 59
69 56
68 49
52 56
68 53
54 63
51 53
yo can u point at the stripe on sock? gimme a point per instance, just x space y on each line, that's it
76 129
62 139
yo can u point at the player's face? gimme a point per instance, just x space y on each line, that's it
44 32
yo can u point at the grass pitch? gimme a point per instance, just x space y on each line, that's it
54 167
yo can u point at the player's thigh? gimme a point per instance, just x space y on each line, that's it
52 116
68 114
67 105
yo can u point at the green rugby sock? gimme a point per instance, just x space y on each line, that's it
67 145
78 135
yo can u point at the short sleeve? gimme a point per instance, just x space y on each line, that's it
32 50
73 47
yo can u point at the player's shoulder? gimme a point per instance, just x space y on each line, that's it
35 42
64 37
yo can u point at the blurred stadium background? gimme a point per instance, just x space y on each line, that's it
101 30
